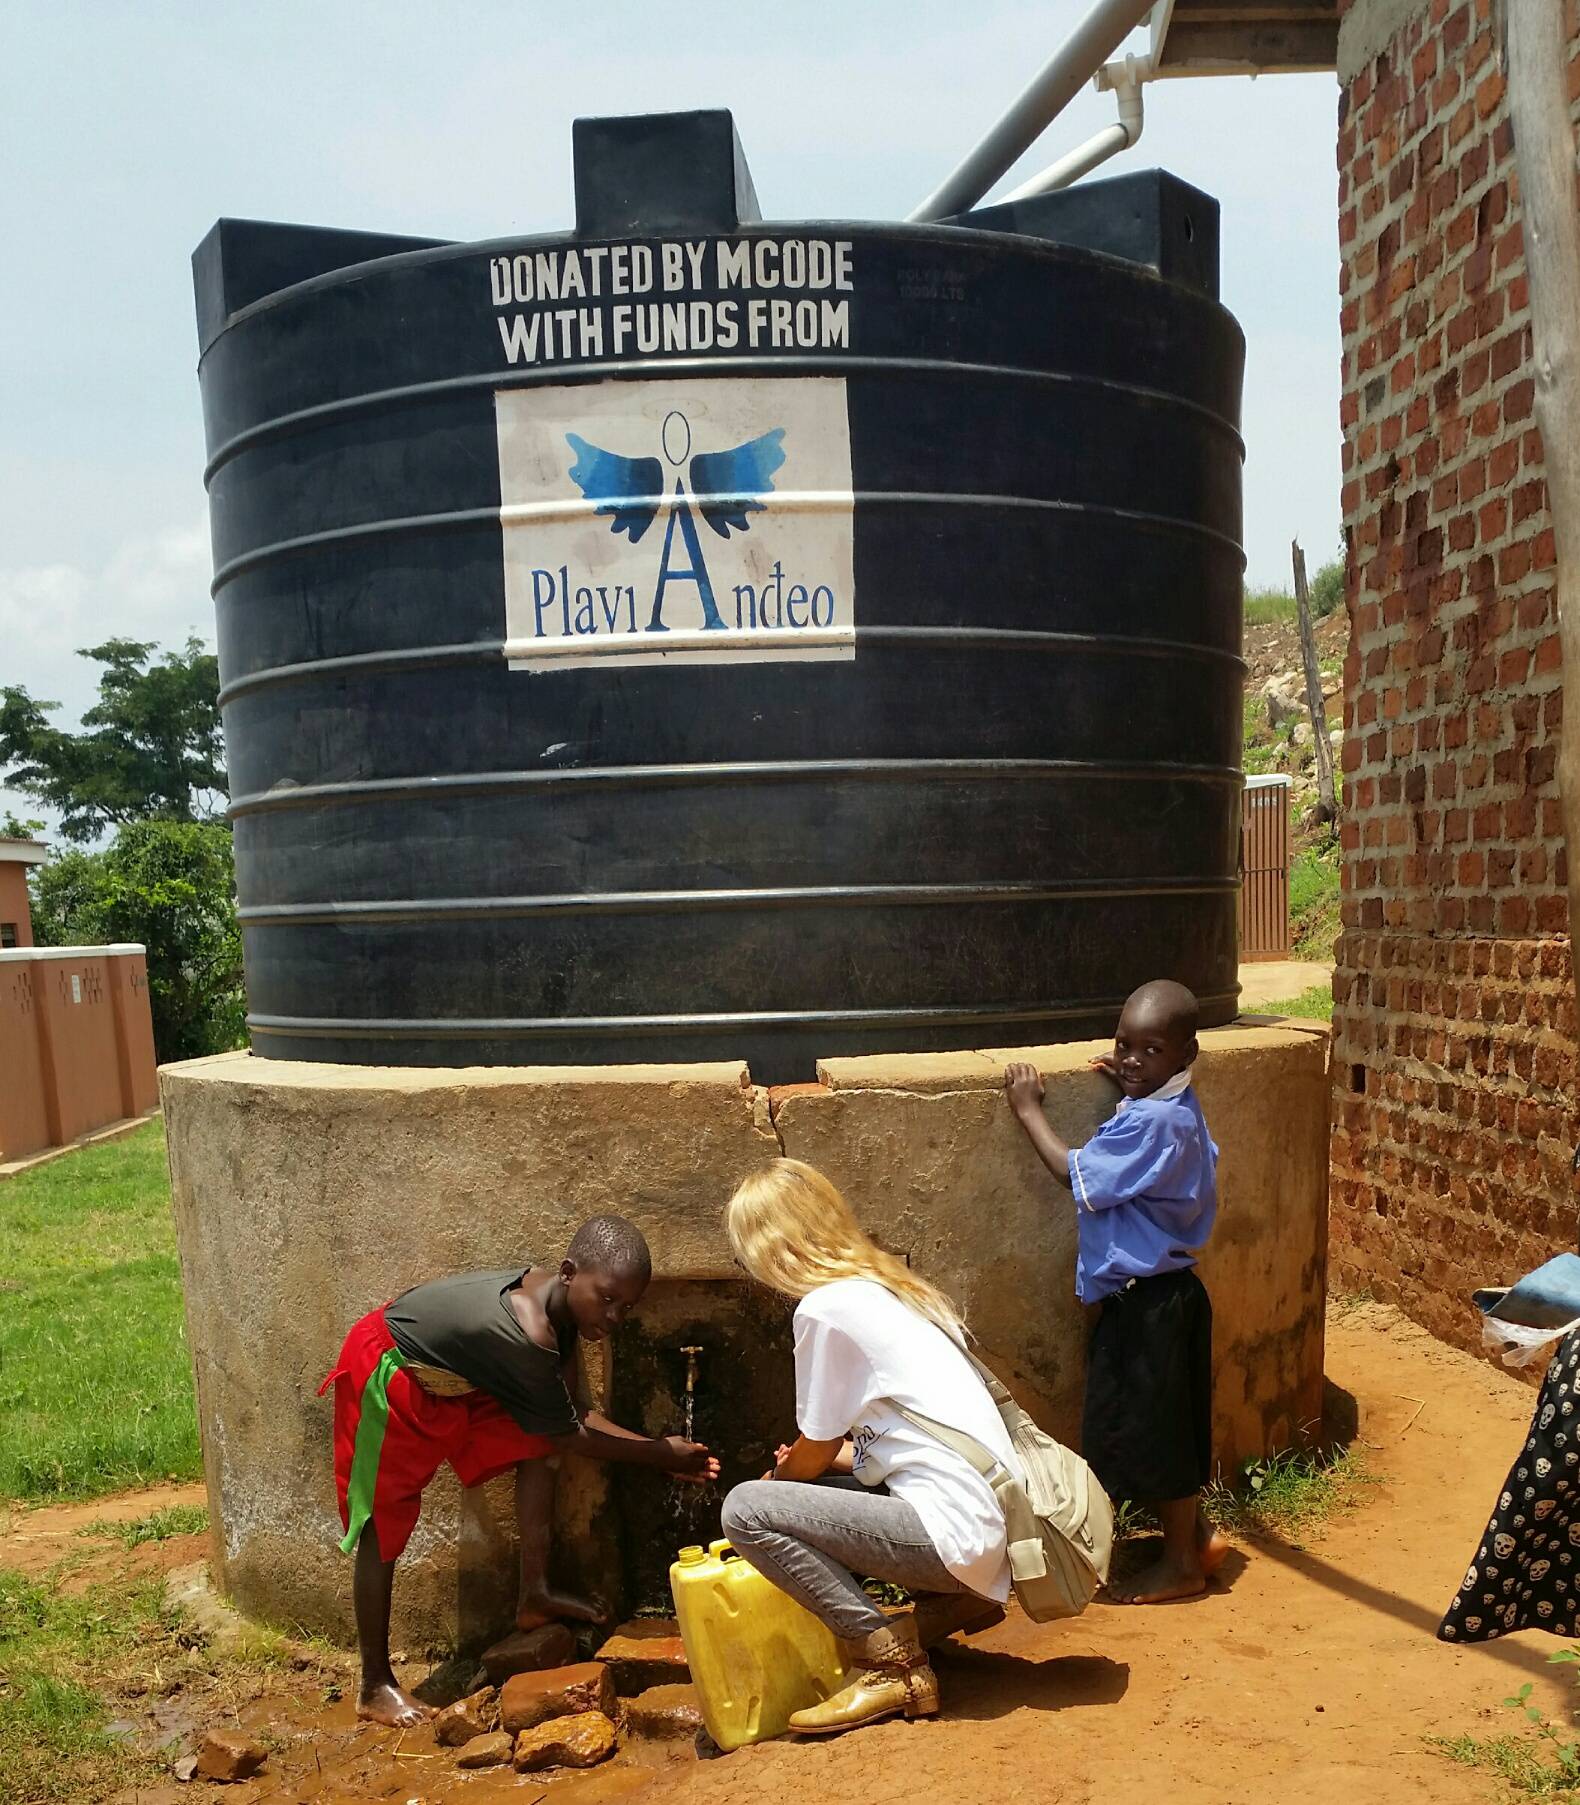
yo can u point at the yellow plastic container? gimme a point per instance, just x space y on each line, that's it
755 1654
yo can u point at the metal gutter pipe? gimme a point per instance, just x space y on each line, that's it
1083 53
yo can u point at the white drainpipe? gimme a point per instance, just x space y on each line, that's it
1125 79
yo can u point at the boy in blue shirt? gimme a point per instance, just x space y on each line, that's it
1145 1197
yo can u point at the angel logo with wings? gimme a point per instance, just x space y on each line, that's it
725 487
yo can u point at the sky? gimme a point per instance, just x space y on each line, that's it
128 129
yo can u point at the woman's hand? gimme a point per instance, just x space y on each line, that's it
1023 1085
690 1460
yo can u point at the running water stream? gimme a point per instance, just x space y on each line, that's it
694 1508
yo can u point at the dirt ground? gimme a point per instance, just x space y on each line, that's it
33 1541
1304 1672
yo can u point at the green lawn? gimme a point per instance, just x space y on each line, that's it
1315 1004
95 1388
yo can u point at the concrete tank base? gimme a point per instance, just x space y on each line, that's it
306 1194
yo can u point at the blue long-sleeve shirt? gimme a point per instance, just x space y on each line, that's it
1146 1191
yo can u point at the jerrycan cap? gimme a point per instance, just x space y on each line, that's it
691 1556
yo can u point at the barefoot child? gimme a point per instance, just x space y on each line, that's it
479 1370
1145 1197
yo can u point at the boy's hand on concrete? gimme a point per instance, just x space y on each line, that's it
1023 1086
690 1460
1104 1063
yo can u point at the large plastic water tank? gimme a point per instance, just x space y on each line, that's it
692 638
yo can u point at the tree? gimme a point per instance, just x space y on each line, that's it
13 827
171 886
1327 589
150 748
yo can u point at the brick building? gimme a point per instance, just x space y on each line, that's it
1455 1121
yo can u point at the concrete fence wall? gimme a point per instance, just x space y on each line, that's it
76 1044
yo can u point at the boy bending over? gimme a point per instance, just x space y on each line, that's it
1145 1198
480 1370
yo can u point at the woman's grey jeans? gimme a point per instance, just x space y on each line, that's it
812 1541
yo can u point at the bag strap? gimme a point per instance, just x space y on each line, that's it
970 1450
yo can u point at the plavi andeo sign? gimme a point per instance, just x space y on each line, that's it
689 521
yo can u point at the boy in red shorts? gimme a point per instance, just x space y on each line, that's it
479 1370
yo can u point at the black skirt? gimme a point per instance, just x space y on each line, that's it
1526 1573
1147 1431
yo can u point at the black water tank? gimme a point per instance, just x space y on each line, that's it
696 639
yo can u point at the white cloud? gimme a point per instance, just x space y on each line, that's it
152 587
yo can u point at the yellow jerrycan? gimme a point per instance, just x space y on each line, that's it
755 1654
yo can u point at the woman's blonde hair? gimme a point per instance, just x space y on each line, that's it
793 1231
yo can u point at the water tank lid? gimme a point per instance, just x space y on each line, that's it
661 172
242 260
1147 216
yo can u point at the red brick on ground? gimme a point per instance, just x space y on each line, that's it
645 1652
664 1713
228 1755
529 1699
528 1651
467 1718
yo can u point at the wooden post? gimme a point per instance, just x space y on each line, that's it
1322 746
1544 154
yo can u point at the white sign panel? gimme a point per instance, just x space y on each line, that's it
695 522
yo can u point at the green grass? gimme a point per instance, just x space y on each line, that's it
1314 900
54 1741
1315 1004
1265 606
95 1389
158 1526
1522 1763
1289 1495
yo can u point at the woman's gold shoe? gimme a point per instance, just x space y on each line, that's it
893 1678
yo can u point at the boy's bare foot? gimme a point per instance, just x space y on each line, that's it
1166 1579
553 1607
389 1704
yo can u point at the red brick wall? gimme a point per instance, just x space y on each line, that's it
1455 1119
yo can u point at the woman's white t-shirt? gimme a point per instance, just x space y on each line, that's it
859 1351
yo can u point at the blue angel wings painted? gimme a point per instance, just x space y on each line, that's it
727 483
628 489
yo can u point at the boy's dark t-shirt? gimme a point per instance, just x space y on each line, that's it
465 1324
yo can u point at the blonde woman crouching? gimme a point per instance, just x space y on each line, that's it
864 1491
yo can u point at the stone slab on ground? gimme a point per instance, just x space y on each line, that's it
580 1741
671 1713
528 1651
467 1719
493 1750
529 1699
644 1653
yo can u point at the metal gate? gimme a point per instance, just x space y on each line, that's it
1264 868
